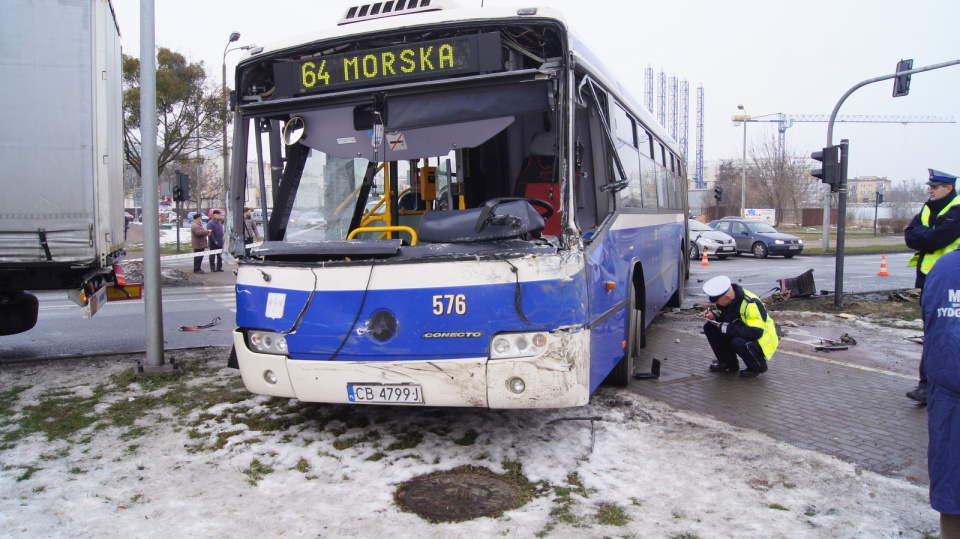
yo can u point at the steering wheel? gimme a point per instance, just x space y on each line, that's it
490 205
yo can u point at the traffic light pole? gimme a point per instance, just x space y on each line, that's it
833 117
842 204
841 223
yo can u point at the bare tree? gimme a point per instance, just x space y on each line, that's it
779 179
906 198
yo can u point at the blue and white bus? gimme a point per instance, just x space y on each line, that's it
493 222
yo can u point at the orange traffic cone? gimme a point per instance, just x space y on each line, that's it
883 267
704 262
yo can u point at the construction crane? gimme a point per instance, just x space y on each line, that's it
786 121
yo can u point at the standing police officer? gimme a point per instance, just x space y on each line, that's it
933 232
740 326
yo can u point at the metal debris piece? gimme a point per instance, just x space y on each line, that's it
829 348
653 374
847 339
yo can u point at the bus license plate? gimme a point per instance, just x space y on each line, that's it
385 393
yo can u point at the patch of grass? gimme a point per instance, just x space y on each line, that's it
468 438
777 506
563 512
38 490
379 455
345 443
8 400
810 513
877 306
135 432
302 465
58 415
28 472
406 440
256 471
56 455
612 515
76 470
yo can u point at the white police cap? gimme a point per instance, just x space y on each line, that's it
937 176
716 287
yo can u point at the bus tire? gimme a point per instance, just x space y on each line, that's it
622 373
18 312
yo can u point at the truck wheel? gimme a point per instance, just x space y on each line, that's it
18 312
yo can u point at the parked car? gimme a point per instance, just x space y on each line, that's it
758 237
715 242
210 212
257 214
189 220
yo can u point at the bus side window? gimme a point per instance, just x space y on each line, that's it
592 204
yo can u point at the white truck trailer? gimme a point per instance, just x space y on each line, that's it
61 162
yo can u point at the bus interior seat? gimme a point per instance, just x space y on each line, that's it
537 178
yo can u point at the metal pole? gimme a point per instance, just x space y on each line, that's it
152 301
876 206
841 223
743 174
263 182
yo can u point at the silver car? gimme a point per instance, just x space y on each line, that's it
716 243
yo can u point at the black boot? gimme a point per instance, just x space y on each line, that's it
919 394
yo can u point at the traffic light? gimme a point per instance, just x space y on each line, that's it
718 193
181 188
829 171
879 198
901 84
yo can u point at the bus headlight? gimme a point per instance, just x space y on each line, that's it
267 342
514 345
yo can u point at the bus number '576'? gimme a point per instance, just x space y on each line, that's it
449 304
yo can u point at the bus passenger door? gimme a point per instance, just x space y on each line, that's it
595 217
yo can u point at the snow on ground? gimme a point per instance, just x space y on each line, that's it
250 466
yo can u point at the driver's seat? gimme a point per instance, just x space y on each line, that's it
538 179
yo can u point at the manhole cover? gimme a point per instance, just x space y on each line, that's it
454 497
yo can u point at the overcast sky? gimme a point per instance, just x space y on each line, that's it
789 57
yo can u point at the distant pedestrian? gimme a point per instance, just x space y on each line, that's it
250 232
933 232
215 226
198 240
940 309
738 326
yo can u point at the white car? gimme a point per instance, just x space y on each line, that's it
716 243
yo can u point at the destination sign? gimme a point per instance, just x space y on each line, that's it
463 55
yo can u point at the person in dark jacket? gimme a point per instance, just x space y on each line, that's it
933 232
940 309
215 226
738 326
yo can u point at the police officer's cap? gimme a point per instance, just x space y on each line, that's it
937 177
716 287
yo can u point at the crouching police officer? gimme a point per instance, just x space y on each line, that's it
738 326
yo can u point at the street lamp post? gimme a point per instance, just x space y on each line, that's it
226 170
744 118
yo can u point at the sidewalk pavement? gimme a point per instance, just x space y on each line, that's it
857 414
